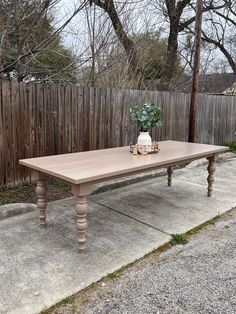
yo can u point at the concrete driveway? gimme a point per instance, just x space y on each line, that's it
39 267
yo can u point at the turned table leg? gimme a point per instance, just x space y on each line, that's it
211 170
81 192
169 172
41 191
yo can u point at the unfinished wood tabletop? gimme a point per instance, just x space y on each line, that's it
94 165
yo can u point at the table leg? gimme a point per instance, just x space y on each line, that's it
211 170
169 172
41 191
81 192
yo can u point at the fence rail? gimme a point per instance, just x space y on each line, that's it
38 120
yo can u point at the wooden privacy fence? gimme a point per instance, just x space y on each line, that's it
38 120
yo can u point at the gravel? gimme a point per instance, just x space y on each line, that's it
199 277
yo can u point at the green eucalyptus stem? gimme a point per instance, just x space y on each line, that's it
147 116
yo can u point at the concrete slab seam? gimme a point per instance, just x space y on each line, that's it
135 219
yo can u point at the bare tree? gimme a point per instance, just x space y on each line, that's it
180 15
128 44
174 12
221 32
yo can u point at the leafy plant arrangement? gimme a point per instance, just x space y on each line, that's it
146 116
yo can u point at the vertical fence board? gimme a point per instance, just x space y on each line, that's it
1 139
101 124
61 117
67 120
80 115
108 117
16 131
86 109
7 132
74 122
91 120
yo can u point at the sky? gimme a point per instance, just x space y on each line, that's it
135 12
141 17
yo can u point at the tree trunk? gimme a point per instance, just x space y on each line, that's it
195 84
126 42
172 50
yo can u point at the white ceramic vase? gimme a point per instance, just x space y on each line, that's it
144 139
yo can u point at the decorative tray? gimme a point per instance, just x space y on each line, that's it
145 149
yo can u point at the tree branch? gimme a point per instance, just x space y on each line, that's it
126 42
46 42
222 48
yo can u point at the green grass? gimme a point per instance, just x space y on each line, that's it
203 225
116 273
179 239
232 146
68 300
183 237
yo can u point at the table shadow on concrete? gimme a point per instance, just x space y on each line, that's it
40 267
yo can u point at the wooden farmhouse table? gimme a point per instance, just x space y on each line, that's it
84 169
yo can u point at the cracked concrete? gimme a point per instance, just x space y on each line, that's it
39 267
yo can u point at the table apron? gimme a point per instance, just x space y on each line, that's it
130 173
38 173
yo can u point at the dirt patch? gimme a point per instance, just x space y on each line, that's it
26 193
